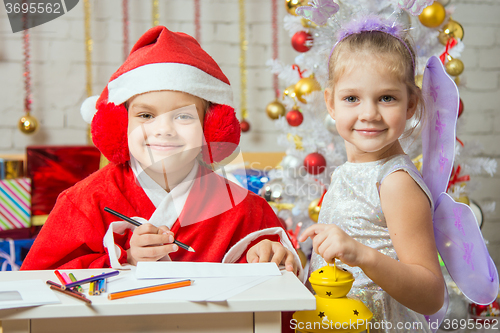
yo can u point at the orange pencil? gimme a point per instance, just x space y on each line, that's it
152 289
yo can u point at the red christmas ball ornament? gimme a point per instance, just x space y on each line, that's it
245 126
294 117
485 313
460 107
315 163
300 41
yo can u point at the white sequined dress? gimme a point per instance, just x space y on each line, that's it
352 202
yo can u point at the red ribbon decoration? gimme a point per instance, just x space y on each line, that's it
449 45
294 234
455 178
460 141
322 196
295 66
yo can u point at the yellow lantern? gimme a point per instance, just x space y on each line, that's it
335 312
433 16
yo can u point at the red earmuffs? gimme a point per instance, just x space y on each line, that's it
109 132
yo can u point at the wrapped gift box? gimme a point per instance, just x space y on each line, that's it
13 252
15 203
53 169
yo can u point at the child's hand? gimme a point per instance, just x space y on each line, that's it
149 243
267 251
330 242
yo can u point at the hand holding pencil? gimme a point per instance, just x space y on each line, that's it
148 242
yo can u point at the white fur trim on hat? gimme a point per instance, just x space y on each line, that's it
88 109
169 76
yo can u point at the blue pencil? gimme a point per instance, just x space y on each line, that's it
91 279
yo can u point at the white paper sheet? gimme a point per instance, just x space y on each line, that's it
191 270
202 289
23 293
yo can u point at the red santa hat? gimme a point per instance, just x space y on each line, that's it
164 60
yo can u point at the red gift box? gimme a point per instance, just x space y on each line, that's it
53 169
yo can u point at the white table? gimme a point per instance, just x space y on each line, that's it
254 310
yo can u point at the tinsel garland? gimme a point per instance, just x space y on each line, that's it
197 25
88 47
26 73
155 13
274 22
243 68
125 29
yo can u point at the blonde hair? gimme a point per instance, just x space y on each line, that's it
379 44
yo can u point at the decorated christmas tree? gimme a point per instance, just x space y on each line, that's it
313 147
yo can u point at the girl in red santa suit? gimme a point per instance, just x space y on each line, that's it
162 121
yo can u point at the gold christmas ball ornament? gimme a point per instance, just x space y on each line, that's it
291 5
314 209
290 92
463 199
418 80
305 86
28 124
275 110
302 256
454 67
307 23
433 16
452 29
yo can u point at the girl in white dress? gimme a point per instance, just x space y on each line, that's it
376 217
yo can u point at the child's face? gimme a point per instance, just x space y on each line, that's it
370 107
165 130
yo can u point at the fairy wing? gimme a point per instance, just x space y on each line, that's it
458 238
319 12
414 7
438 132
463 250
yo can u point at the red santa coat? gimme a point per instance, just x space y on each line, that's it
72 237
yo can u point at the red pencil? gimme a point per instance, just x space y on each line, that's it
60 277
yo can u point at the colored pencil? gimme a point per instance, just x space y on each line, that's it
73 279
151 289
96 287
51 283
92 278
138 224
60 277
91 287
103 286
65 277
72 294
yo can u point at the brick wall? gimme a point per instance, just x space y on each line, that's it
58 72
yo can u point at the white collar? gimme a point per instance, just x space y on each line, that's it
168 205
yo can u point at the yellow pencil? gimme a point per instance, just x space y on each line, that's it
91 288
